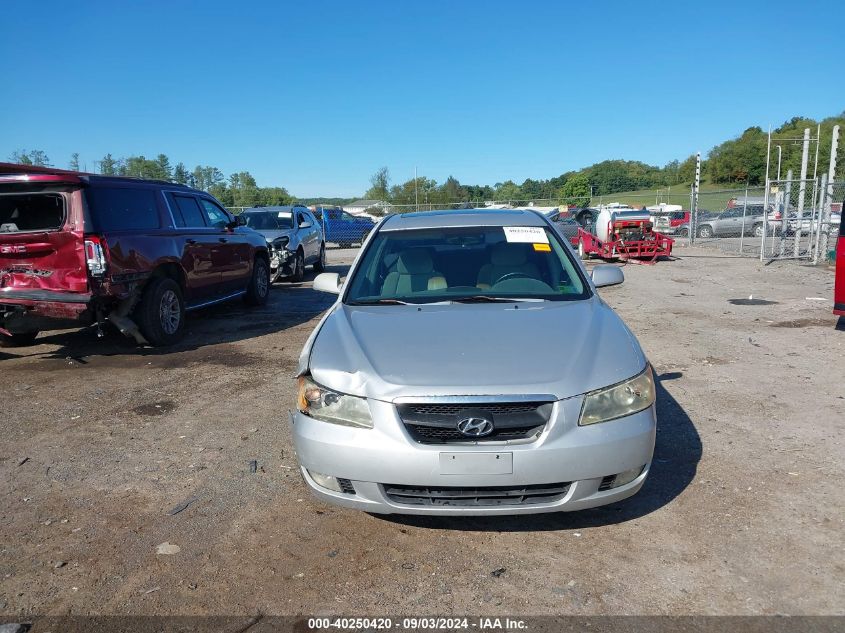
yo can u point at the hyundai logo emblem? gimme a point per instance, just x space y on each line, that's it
475 427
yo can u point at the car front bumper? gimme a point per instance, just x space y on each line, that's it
281 263
374 459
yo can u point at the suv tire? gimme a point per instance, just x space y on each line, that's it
18 340
258 289
758 230
705 231
320 264
161 313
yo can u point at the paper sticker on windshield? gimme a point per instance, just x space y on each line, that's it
285 214
543 248
526 234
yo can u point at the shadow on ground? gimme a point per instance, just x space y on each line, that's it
677 452
228 322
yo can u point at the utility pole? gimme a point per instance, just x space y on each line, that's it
802 189
694 199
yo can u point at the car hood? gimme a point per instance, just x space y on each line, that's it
272 235
561 348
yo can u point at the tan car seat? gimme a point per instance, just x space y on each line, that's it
414 273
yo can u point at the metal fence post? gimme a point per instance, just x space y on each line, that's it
744 209
823 219
787 196
802 190
766 195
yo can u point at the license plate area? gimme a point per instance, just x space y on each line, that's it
466 463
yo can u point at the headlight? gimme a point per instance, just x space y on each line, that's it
619 400
324 404
280 242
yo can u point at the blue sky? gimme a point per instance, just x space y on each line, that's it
315 96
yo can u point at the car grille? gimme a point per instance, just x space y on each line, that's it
438 435
437 423
476 497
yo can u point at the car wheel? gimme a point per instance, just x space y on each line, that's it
344 244
683 233
320 264
17 340
298 267
582 251
705 231
161 313
259 284
758 230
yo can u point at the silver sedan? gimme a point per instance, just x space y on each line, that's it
469 367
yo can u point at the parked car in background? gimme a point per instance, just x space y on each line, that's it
342 228
438 382
567 225
294 237
667 219
808 223
80 249
734 222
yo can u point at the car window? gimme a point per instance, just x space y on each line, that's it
31 212
462 263
300 219
268 220
187 212
123 208
346 217
214 215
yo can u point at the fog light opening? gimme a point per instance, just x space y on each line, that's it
622 478
325 481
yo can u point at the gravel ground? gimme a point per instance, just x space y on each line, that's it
103 443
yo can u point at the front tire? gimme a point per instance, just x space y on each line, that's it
18 340
758 230
298 267
705 231
161 313
320 264
258 289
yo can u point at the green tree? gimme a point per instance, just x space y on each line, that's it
74 162
180 174
108 166
34 157
507 191
380 185
576 190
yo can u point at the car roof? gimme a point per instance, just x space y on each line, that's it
462 217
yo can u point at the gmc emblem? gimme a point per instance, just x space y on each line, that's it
8 249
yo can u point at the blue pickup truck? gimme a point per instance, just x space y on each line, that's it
342 228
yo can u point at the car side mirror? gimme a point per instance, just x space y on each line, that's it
238 221
305 225
327 282
607 275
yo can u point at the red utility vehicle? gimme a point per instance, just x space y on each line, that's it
622 235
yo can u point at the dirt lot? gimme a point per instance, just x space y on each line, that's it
742 514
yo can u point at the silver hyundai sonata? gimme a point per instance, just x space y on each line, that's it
469 367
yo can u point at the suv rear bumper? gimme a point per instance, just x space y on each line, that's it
30 309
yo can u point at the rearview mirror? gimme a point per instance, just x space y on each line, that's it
607 275
327 282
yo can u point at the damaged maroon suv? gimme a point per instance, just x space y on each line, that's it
81 249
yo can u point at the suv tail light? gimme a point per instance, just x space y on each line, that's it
95 256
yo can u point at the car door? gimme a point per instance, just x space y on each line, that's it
233 252
728 223
306 233
198 241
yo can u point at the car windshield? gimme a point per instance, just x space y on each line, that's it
269 220
473 264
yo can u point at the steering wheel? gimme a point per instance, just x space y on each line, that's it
513 275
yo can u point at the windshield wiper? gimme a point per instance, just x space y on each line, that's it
375 302
489 299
